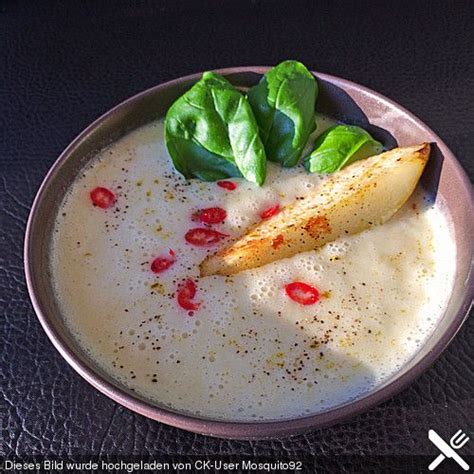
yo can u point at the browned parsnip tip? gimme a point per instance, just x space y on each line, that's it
366 193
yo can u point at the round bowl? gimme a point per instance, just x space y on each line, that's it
339 99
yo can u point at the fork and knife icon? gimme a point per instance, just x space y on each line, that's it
448 450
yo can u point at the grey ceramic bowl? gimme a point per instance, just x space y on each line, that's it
340 99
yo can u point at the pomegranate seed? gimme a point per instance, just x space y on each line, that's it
202 236
270 212
229 185
302 293
102 197
211 215
186 292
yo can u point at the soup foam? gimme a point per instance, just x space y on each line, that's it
248 352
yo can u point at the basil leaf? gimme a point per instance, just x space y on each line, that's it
283 103
194 161
211 133
340 146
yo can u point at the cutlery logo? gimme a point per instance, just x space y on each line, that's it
448 450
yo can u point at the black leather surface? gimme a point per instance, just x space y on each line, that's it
62 64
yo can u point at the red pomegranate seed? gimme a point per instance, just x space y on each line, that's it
160 264
211 215
302 293
102 197
202 236
229 185
270 212
186 292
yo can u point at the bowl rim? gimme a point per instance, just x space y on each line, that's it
233 429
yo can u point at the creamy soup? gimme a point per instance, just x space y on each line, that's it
249 352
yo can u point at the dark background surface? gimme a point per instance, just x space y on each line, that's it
62 64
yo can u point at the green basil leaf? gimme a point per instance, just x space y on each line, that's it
284 105
340 146
194 161
211 133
